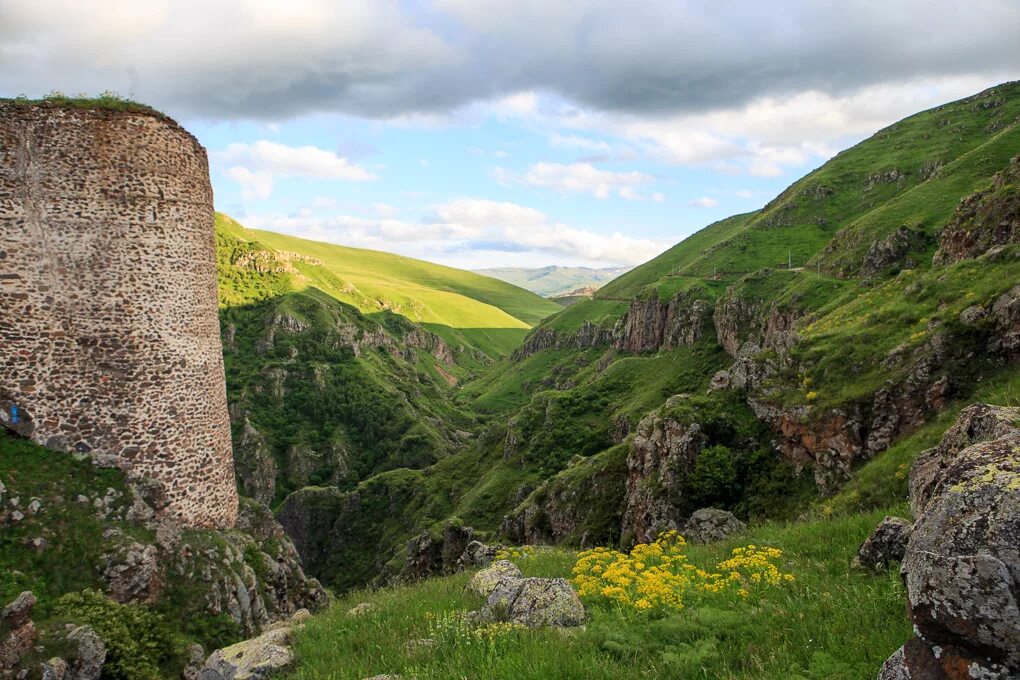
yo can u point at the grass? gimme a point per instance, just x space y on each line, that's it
833 622
107 101
421 291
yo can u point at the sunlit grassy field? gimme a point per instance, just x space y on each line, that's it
831 622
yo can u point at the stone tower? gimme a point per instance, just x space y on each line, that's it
109 332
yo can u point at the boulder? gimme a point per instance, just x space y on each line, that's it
89 656
976 423
486 580
962 561
17 631
709 524
886 544
260 658
534 602
477 554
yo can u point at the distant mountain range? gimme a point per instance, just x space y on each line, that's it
554 280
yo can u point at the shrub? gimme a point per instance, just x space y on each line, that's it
138 641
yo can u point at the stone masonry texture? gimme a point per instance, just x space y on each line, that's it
109 333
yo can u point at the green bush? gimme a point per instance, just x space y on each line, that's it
139 644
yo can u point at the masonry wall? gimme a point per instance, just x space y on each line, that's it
109 334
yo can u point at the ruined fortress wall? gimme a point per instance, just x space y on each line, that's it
109 333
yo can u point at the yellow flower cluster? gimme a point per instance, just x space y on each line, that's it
519 553
658 575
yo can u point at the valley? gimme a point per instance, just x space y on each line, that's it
772 387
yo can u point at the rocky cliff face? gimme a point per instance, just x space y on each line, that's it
648 326
662 452
984 220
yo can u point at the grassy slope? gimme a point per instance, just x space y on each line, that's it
491 315
833 622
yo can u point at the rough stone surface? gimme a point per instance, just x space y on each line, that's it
109 330
709 524
962 561
260 658
485 581
535 602
976 423
477 554
984 219
661 452
17 631
89 654
886 544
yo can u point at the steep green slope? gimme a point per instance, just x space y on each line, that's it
463 307
718 375
319 392
554 280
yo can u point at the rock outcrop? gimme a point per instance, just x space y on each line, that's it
710 524
534 602
486 580
885 545
17 633
984 220
962 561
261 658
662 451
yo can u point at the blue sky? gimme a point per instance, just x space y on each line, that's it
481 133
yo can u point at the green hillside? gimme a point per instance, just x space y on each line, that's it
463 307
554 280
858 344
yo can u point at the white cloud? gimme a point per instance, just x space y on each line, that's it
577 142
704 202
658 197
256 166
582 178
473 229
254 185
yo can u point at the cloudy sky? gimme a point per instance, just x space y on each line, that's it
515 132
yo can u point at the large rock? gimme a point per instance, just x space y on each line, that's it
477 554
976 423
88 656
962 563
260 658
535 602
485 581
17 631
886 544
709 524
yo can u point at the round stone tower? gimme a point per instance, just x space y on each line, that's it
109 332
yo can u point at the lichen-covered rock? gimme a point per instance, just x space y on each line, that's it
886 544
963 560
477 554
710 524
260 658
535 602
975 423
917 660
485 581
